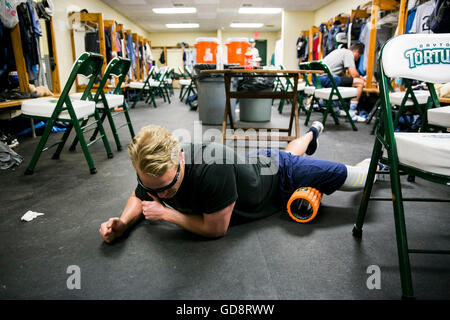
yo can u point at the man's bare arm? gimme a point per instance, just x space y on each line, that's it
212 225
115 227
353 72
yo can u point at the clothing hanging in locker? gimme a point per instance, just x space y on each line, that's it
316 43
439 20
7 62
31 32
301 46
189 62
385 30
423 12
108 45
91 42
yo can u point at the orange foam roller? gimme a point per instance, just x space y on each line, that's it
304 204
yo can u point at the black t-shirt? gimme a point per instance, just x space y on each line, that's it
215 176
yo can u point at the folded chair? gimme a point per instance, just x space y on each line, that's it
408 100
160 84
184 82
117 68
422 154
308 91
335 93
145 88
277 84
168 81
283 84
70 111
187 85
193 86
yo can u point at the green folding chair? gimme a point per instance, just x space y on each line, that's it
335 93
289 86
168 82
409 100
190 84
186 85
420 57
145 88
308 90
412 101
436 117
160 84
184 82
285 85
71 111
277 86
117 68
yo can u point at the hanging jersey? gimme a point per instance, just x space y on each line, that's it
423 12
410 20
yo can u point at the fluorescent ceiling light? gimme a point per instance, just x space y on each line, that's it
246 25
174 10
182 25
250 10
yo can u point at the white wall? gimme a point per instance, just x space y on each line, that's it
292 23
62 31
160 39
334 8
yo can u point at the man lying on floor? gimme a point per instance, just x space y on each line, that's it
204 187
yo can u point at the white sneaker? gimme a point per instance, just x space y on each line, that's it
342 113
314 144
358 119
319 126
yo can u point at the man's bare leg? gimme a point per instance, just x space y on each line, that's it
300 145
358 83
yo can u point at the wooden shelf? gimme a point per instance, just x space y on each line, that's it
444 100
11 103
359 14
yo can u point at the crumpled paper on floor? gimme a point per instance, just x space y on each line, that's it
30 215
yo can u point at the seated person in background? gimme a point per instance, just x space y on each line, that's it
339 62
202 187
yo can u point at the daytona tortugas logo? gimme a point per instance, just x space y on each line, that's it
430 53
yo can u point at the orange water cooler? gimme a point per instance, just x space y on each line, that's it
236 49
206 50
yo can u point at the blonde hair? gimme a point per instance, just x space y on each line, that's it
154 150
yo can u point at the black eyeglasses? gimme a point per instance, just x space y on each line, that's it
159 190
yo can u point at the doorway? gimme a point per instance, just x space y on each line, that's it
261 45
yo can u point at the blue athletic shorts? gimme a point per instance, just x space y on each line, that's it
340 81
297 171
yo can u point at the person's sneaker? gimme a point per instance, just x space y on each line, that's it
357 118
316 128
383 171
14 143
336 110
342 113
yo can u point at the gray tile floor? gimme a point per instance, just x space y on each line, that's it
274 258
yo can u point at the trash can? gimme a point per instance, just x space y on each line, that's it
255 110
211 95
